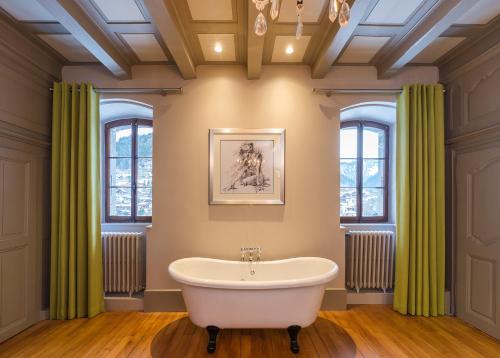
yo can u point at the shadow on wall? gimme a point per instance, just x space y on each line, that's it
182 338
377 111
120 108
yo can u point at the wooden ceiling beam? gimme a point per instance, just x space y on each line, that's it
85 30
255 45
337 38
164 19
432 24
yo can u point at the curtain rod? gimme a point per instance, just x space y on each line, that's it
330 91
160 91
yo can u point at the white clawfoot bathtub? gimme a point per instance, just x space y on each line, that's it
280 294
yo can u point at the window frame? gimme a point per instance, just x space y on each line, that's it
359 218
133 218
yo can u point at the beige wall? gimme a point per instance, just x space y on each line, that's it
183 222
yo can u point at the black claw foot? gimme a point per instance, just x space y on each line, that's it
293 332
212 338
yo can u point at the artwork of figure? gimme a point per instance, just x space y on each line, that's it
247 166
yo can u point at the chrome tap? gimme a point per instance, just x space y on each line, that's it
250 254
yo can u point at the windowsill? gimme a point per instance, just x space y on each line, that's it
369 226
126 227
127 224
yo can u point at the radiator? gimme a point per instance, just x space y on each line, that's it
370 260
124 262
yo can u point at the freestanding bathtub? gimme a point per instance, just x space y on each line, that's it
279 294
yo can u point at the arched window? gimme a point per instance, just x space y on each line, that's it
128 170
364 165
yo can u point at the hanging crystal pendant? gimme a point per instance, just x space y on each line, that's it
260 4
344 14
300 29
260 27
333 10
275 8
300 25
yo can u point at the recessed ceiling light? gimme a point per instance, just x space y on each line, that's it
218 47
289 49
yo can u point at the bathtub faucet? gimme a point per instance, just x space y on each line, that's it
250 254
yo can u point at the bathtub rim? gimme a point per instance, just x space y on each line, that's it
315 280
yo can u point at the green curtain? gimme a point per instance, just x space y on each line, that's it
76 280
420 245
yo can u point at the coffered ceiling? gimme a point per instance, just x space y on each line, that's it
388 34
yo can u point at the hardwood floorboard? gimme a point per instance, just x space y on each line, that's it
362 331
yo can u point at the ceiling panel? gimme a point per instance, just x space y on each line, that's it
361 49
145 46
436 49
119 10
225 42
311 13
68 46
392 11
282 43
26 10
481 13
211 10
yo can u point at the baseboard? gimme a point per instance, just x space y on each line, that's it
123 304
164 301
447 303
172 301
380 298
335 299
369 298
44 314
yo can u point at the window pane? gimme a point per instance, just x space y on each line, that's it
373 202
349 142
348 172
120 202
144 202
144 141
120 141
120 172
348 202
145 172
373 142
373 173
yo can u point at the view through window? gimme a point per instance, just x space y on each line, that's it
363 171
129 176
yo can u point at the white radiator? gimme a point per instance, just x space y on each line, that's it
124 262
370 260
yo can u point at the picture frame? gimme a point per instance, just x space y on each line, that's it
247 166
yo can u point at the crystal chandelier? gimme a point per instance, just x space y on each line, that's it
336 8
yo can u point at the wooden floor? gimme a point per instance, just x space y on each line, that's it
361 331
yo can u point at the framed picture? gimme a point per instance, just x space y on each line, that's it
247 166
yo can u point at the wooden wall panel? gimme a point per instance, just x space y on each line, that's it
472 98
15 201
13 282
26 74
473 169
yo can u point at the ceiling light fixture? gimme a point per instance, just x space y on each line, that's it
260 27
218 47
289 49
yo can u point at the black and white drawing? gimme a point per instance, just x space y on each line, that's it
247 166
